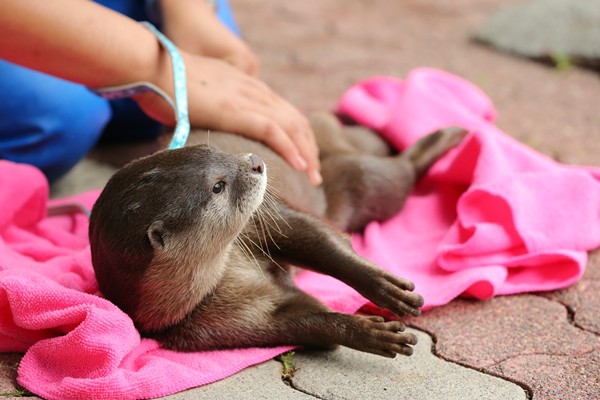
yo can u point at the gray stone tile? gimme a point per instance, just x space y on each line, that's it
548 28
9 388
86 175
349 374
259 382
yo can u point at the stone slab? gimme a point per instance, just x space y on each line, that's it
583 298
349 374
86 175
9 388
260 382
484 333
321 47
571 377
547 29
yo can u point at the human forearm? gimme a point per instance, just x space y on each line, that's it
193 26
80 41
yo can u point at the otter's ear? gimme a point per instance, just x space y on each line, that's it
157 235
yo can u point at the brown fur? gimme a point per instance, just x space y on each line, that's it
199 270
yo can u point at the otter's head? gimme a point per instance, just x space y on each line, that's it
161 229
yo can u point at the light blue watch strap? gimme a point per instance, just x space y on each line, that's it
180 106
182 129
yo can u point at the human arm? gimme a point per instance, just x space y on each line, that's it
79 41
86 43
195 28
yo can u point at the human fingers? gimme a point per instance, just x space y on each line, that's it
224 98
241 93
261 99
298 130
258 127
304 138
245 61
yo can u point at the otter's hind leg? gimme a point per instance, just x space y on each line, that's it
301 323
361 188
430 148
333 138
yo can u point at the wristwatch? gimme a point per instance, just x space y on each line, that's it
179 106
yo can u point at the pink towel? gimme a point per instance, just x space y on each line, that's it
492 217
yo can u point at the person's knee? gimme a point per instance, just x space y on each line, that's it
69 134
48 122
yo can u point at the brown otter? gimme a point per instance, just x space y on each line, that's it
184 243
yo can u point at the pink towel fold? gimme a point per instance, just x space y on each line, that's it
492 217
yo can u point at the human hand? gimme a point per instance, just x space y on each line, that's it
221 97
193 26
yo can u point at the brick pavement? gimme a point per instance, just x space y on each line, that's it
312 50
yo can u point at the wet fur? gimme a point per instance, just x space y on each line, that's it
199 271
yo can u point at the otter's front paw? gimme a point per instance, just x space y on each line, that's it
393 293
385 338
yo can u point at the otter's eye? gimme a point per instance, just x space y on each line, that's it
219 187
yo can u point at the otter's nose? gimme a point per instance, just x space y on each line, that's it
256 164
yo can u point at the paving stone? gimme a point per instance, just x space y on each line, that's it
556 377
548 28
584 301
9 388
583 298
350 374
86 175
483 333
593 268
311 51
261 382
8 372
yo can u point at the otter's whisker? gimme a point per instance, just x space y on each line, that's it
264 231
256 229
270 206
262 250
276 215
268 226
249 255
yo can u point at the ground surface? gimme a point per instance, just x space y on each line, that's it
538 346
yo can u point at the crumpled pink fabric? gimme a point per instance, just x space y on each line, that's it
492 217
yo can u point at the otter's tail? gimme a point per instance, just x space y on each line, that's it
430 148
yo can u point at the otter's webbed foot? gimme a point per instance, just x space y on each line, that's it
385 338
390 292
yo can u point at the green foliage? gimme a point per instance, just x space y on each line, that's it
15 393
562 62
3 365
287 372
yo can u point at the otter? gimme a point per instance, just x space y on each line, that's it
197 244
